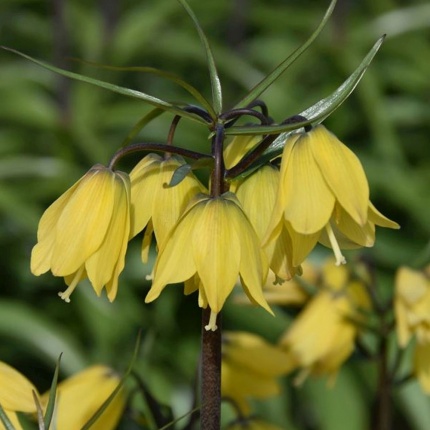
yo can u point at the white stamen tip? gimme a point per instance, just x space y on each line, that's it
63 295
340 259
212 322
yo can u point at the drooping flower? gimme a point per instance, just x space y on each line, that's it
80 396
322 337
412 309
323 196
16 394
154 204
85 232
214 240
250 369
257 195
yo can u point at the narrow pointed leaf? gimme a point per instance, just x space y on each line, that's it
215 82
107 402
314 114
52 396
114 88
281 68
39 412
5 420
168 75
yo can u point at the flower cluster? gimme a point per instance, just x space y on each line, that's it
271 218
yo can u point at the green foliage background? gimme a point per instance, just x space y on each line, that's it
52 130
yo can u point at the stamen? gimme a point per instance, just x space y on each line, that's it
65 295
340 259
212 322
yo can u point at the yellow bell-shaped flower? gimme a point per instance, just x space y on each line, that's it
322 337
85 232
250 369
323 196
214 240
155 205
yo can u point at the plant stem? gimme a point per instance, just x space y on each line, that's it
210 375
382 407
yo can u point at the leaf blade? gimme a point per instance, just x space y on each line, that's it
111 87
213 74
282 67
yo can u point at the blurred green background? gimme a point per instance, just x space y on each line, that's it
52 130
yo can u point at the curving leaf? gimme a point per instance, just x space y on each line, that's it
114 88
317 112
314 114
281 68
168 75
215 82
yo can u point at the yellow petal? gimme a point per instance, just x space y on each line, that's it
309 202
273 229
411 285
80 396
175 261
170 202
422 366
377 218
42 251
100 266
343 172
16 391
302 244
216 250
83 223
13 418
237 148
144 180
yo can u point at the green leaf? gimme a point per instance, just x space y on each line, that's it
281 68
52 396
114 88
316 113
168 75
179 175
5 420
215 82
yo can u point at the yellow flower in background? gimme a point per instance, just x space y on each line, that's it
155 205
80 396
250 369
412 309
322 337
85 232
257 195
412 305
323 196
16 394
214 240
